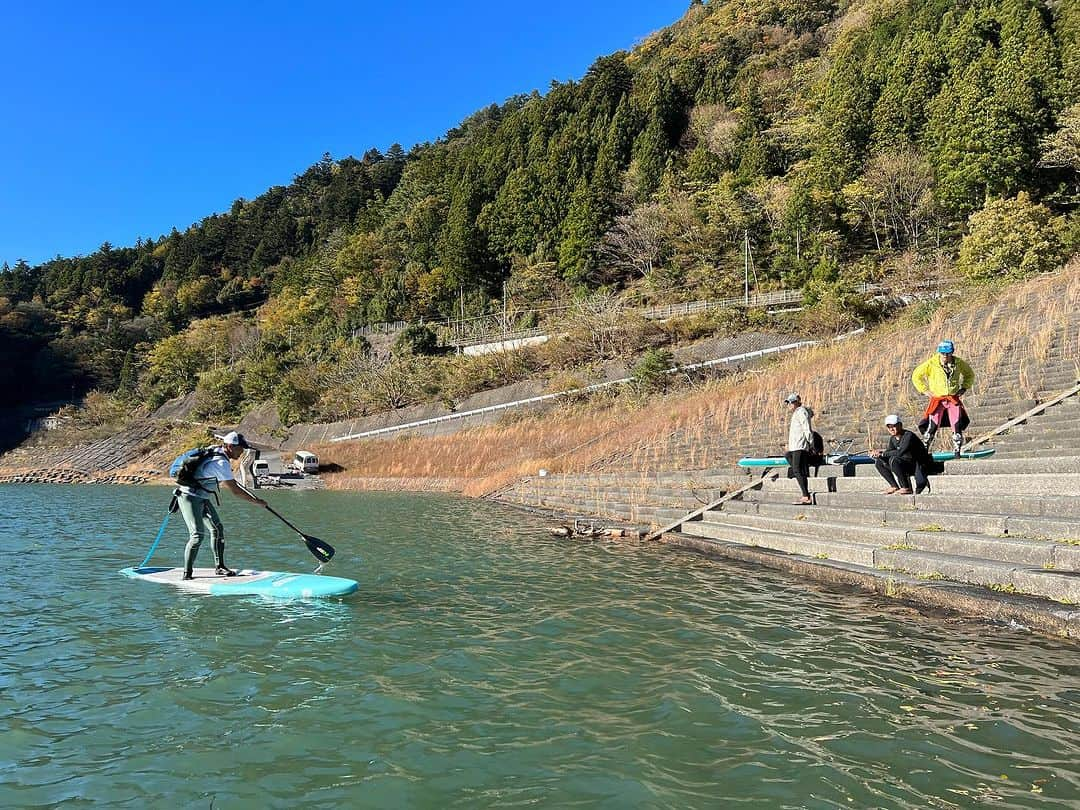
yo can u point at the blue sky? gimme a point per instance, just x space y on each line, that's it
123 120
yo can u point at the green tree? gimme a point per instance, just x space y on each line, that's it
1011 237
296 395
977 144
218 394
651 373
416 339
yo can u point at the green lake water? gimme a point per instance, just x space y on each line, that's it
484 663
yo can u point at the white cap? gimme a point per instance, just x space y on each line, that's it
892 419
234 438
792 397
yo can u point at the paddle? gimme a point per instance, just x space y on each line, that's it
320 549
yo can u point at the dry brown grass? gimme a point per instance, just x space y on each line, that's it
868 375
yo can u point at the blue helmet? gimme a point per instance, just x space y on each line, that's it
945 347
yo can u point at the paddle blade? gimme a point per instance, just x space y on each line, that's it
320 549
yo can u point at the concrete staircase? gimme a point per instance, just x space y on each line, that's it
997 538
1001 526
656 497
640 499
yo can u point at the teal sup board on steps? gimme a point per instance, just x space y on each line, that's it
862 458
275 584
942 455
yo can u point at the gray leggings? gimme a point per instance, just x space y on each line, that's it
195 512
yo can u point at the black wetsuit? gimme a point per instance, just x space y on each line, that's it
905 456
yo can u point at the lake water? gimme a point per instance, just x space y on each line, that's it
486 664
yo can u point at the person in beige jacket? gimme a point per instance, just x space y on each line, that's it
800 444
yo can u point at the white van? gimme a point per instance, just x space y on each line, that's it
260 467
305 462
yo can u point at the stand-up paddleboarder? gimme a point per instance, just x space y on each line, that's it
194 499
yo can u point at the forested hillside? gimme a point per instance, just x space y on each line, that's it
839 141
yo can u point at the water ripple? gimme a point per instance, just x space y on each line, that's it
485 664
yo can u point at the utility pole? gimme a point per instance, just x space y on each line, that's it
505 324
746 267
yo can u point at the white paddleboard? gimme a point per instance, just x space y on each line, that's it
248 582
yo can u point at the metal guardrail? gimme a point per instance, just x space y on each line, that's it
379 328
694 307
569 392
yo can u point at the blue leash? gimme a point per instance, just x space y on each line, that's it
160 534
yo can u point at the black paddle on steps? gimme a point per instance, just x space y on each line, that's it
320 549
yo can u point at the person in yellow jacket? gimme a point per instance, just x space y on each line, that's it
944 378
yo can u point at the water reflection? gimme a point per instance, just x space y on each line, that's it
483 663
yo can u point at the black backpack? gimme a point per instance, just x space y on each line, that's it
186 465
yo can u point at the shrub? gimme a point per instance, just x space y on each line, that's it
296 395
415 339
650 374
1011 238
464 375
568 380
218 394
834 307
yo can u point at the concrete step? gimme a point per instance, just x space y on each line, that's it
705 495
1009 577
1067 461
1060 586
710 477
1042 444
1054 506
1005 451
811 526
1064 422
607 499
1026 465
843 551
1033 553
584 509
998 525
1029 451
1005 484
834 524
641 515
660 516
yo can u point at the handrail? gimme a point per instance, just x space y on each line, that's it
724 499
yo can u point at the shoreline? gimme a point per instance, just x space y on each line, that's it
1060 621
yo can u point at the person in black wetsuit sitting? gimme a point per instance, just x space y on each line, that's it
905 456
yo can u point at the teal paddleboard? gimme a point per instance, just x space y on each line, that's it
275 584
862 458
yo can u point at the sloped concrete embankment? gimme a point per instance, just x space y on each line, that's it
998 538
473 411
124 458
